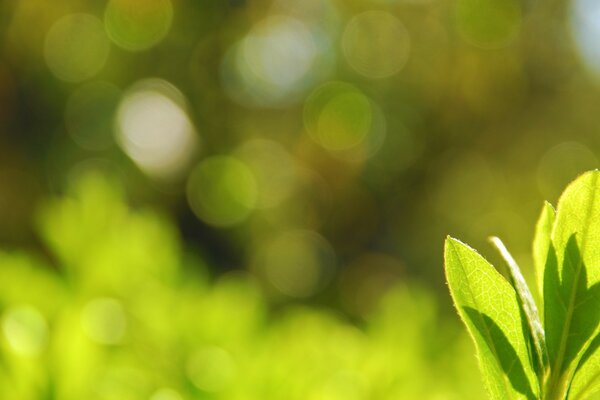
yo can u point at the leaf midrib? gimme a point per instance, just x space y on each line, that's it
484 324
567 326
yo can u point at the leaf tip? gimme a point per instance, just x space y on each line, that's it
452 240
493 239
548 207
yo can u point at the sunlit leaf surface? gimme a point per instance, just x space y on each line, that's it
488 305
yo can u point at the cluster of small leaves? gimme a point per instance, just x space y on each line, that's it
554 353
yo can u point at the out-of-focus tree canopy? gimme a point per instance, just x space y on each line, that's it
323 147
328 132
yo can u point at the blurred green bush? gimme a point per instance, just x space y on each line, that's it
335 129
118 309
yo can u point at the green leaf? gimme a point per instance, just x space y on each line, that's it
587 378
572 281
578 213
541 243
527 304
488 305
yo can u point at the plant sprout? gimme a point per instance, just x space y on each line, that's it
524 353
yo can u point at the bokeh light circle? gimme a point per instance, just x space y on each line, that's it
89 115
585 27
298 263
138 25
211 369
25 329
488 24
222 191
76 47
104 321
274 170
154 129
276 62
338 116
279 50
376 44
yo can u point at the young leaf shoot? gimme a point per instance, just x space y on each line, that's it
521 355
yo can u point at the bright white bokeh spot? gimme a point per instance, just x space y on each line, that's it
279 50
275 63
376 44
25 330
585 26
211 369
154 129
104 321
76 47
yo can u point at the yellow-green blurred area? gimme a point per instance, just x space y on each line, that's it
247 199
118 309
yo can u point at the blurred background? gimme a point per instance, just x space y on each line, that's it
247 199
